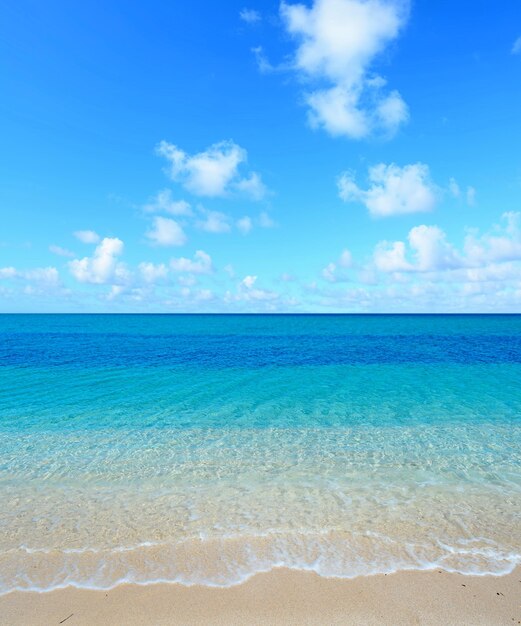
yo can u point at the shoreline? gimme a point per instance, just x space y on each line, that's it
281 596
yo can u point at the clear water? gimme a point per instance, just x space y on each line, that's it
203 449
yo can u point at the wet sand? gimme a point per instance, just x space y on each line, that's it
282 597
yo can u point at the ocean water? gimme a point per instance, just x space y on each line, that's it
203 449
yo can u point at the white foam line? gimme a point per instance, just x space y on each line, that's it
514 562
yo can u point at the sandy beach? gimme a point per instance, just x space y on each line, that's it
282 597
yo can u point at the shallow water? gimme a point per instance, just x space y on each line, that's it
202 449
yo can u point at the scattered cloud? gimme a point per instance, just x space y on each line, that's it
250 16
265 221
516 48
471 196
229 270
151 273
214 222
163 202
345 259
248 292
166 232
87 236
43 275
213 172
244 224
390 257
502 244
429 249
59 251
252 187
337 44
201 264
393 190
454 188
344 262
249 281
103 266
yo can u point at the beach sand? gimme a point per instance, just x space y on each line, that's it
282 597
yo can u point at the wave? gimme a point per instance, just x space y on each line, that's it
231 560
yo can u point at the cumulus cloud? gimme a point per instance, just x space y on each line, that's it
43 275
248 292
432 250
429 249
59 251
87 236
214 222
500 245
250 16
393 190
265 221
215 172
390 257
454 188
103 266
337 44
330 272
249 281
252 186
201 264
244 224
166 232
163 202
151 273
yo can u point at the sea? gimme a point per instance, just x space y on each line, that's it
202 449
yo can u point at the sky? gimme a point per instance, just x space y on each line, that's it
325 156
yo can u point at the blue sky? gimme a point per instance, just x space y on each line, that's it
334 155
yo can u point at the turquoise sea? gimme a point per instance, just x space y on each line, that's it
205 448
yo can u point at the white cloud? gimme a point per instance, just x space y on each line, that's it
502 244
330 272
265 67
248 291
166 232
8 272
394 190
390 257
252 186
454 188
244 224
202 264
151 272
103 266
250 16
58 250
429 247
41 275
213 172
162 202
346 259
249 281
432 250
516 48
337 42
265 221
215 222
471 196
229 269
87 236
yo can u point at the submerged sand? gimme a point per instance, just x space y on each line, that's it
282 597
